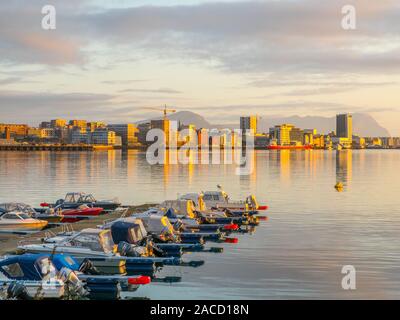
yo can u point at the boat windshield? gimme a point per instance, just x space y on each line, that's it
23 216
11 216
107 242
91 241
136 234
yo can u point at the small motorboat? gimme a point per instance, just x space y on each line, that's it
98 246
20 223
220 200
190 230
30 277
41 276
79 213
73 200
159 230
51 216
97 286
186 208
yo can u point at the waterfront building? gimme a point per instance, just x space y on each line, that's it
296 136
328 144
129 133
342 143
45 124
311 131
318 141
58 123
388 142
377 142
215 138
286 135
34 132
79 135
78 123
47 133
203 137
61 134
261 140
308 139
249 123
189 136
344 126
93 125
143 128
102 136
164 125
227 139
396 142
358 142
13 130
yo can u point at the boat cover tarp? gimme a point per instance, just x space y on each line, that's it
126 231
157 224
29 264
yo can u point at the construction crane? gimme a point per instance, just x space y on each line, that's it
165 110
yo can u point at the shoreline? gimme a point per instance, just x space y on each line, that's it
10 244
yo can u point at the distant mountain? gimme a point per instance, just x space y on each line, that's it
363 124
185 118
188 117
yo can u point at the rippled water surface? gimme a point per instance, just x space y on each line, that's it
312 231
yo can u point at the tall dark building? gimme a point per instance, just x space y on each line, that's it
127 132
344 125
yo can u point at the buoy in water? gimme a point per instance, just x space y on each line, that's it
339 186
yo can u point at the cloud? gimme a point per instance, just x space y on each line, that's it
249 36
118 82
9 80
160 90
17 106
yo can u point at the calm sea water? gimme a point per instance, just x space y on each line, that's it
312 231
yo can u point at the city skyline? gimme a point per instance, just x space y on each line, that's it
112 61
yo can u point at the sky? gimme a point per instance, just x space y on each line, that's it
114 60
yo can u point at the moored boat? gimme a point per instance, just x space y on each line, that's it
19 222
73 200
79 213
50 216
219 200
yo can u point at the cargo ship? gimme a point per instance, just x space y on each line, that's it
276 147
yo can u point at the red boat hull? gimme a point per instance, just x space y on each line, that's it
289 147
89 212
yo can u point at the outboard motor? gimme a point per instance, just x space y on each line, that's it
178 225
17 291
130 250
170 214
74 285
87 267
158 252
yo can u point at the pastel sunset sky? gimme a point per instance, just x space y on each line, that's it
110 60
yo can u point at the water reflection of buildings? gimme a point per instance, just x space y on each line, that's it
283 158
344 166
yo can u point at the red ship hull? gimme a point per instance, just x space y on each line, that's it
90 212
289 147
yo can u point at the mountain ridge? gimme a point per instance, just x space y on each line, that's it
363 124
